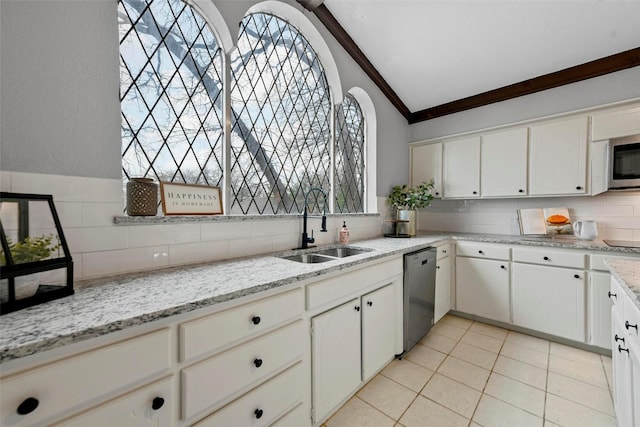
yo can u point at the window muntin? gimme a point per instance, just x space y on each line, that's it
171 93
281 113
349 157
281 119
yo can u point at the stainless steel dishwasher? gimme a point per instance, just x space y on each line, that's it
419 294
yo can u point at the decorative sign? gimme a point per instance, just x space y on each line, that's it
187 199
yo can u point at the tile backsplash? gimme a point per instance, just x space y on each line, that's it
87 207
616 213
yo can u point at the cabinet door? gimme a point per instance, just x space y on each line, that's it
622 375
426 163
378 330
634 356
558 158
461 170
443 288
482 288
615 124
335 348
504 163
549 299
600 310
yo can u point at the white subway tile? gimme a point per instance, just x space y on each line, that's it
97 264
100 214
617 233
280 226
250 246
225 230
198 252
97 239
163 234
70 214
5 181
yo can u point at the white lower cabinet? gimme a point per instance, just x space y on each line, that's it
550 300
443 288
149 406
621 359
378 330
335 356
482 288
599 319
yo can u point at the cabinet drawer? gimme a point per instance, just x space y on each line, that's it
295 418
483 250
339 287
208 383
548 257
444 250
150 405
207 334
66 386
597 261
263 405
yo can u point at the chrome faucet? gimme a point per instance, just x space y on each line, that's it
305 237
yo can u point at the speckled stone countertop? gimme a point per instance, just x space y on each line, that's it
117 303
627 273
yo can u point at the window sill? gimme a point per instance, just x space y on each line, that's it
183 219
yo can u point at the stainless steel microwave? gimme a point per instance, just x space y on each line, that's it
624 163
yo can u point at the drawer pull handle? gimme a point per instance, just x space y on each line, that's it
480 252
503 267
257 362
28 406
369 303
521 191
444 251
438 267
157 403
258 413
546 258
255 320
620 349
629 325
577 276
578 187
617 338
612 295
475 192
357 308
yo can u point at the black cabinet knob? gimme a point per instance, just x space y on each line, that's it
620 349
503 267
612 295
577 276
257 362
28 406
546 258
258 413
629 325
437 194
521 191
255 320
475 192
357 308
617 338
480 252
444 251
157 403
438 267
369 303
578 187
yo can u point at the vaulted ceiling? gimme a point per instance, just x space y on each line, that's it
435 57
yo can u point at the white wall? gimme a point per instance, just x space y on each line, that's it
617 214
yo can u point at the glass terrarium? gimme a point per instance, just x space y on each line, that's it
35 262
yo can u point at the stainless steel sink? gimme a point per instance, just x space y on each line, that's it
324 255
342 252
308 258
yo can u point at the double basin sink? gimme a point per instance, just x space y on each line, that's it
324 255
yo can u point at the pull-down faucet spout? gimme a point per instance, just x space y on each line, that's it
305 237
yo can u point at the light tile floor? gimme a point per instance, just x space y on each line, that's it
466 373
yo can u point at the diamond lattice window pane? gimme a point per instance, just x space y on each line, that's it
281 115
349 157
171 68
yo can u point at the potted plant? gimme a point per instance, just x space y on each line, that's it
29 250
406 200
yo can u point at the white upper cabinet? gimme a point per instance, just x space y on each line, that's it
461 168
504 163
558 157
426 163
614 124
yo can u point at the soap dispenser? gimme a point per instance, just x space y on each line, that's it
344 233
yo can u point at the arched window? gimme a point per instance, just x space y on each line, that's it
171 93
281 113
281 119
349 180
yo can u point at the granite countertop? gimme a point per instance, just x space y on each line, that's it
627 273
117 303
